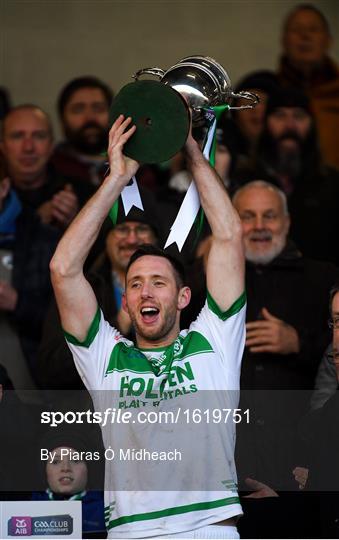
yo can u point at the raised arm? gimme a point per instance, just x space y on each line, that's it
75 298
225 265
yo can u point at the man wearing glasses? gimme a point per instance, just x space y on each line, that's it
321 437
326 382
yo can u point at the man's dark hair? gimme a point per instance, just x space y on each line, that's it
309 7
150 249
263 79
333 292
5 102
3 170
82 82
5 381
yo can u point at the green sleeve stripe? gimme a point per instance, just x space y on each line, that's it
92 332
223 315
173 511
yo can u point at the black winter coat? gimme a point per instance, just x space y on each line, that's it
33 249
276 387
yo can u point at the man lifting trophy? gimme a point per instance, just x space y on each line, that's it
169 470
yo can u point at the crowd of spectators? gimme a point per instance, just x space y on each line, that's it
281 165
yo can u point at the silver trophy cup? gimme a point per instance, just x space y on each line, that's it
203 83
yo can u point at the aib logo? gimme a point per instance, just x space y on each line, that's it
20 526
61 525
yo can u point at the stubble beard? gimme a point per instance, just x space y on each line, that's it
156 334
88 145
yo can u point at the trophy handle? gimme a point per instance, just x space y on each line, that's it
157 72
245 95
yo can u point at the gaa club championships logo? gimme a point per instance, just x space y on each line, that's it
40 525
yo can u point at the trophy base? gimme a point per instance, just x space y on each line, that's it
161 116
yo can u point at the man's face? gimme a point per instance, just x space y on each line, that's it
27 145
66 476
306 40
124 240
289 127
335 319
153 300
86 120
251 121
264 223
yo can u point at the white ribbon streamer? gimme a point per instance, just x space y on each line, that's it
189 208
130 196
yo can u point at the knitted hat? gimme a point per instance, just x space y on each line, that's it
67 436
259 80
288 97
80 439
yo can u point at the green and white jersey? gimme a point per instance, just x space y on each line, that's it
199 372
